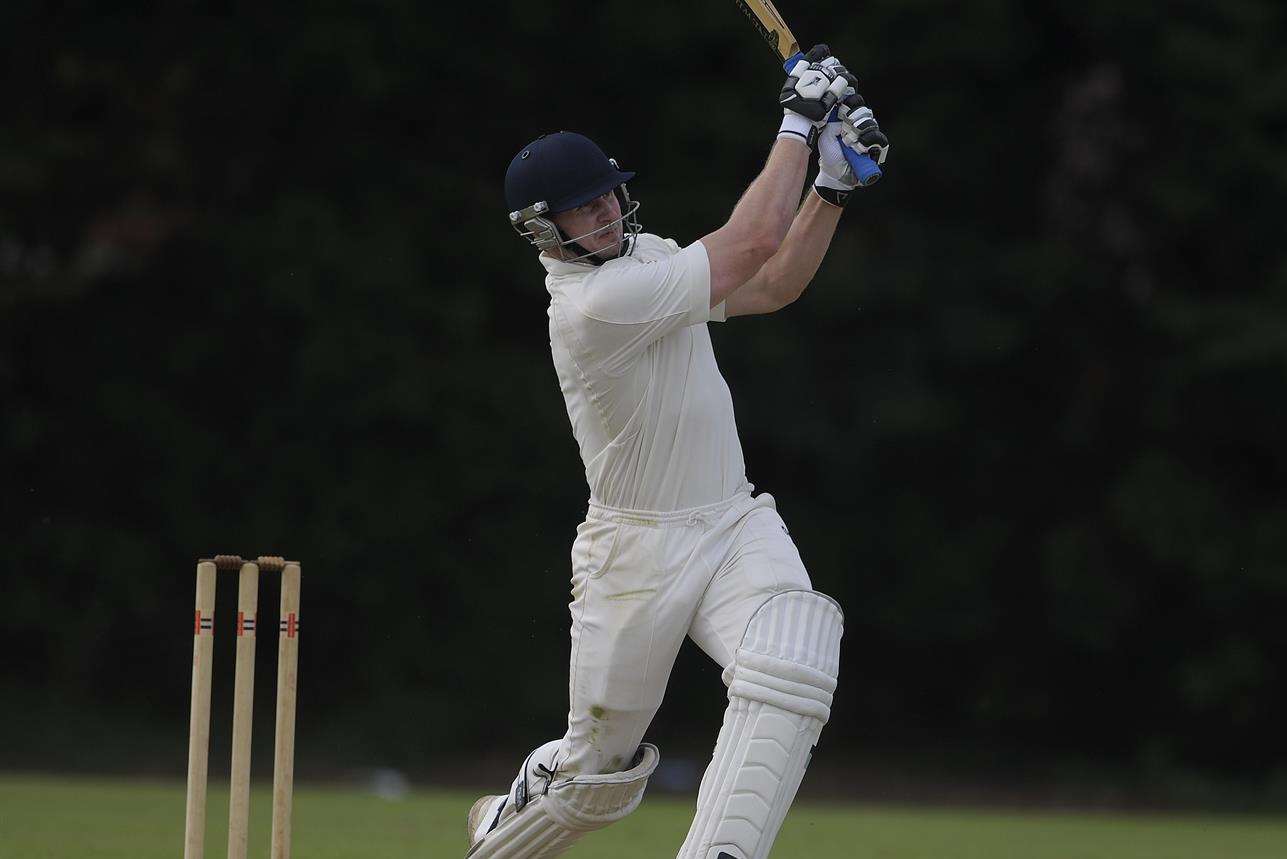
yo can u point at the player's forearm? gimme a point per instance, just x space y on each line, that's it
791 269
769 203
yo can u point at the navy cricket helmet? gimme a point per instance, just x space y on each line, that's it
558 172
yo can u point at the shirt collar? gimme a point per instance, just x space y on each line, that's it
559 267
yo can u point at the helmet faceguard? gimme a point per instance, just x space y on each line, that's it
534 225
559 172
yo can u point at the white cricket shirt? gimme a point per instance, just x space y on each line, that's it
650 411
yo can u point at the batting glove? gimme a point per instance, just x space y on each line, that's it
812 89
836 180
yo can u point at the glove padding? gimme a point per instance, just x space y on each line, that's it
814 86
859 129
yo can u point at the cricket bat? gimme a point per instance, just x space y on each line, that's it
768 22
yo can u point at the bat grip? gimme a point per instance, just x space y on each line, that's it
865 169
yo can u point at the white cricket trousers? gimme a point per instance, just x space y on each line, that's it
641 581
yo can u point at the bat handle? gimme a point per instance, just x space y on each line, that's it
866 170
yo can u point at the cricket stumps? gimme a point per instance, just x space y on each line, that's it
243 703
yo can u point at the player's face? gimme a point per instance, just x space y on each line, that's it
593 218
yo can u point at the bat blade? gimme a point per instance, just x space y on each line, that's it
770 26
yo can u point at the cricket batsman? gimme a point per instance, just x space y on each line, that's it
674 543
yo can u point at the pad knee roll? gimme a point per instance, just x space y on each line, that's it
790 654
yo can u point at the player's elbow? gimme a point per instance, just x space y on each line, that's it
752 254
736 255
762 245
785 294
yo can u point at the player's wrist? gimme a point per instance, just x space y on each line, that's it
797 127
834 183
833 195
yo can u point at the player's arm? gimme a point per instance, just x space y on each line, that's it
786 274
761 219
783 278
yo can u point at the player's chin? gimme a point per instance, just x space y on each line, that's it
610 250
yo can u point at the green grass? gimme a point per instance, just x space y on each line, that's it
45 816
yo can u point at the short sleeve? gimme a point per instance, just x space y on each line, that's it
629 303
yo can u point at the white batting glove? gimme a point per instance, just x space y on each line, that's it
835 180
833 170
813 87
855 126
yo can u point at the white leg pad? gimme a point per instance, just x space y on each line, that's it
542 818
780 685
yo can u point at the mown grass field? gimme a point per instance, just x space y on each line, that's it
43 817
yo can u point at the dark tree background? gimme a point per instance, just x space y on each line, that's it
258 294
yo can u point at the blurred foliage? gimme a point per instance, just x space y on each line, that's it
257 294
